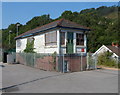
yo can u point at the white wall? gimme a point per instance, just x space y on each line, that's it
23 43
39 44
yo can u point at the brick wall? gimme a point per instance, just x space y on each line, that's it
75 63
45 63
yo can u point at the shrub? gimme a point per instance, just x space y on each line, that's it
106 60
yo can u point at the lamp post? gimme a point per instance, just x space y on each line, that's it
17 28
9 36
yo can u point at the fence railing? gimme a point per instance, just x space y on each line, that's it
37 60
91 61
58 62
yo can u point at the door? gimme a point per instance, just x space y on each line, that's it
69 44
66 68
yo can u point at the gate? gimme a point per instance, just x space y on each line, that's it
91 61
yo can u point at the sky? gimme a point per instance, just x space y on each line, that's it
22 12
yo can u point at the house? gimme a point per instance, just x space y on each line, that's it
60 36
111 48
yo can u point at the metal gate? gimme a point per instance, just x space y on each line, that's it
91 61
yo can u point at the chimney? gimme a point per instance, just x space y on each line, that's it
113 44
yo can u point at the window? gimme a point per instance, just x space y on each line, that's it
62 37
79 39
51 38
19 43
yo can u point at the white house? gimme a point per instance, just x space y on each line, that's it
61 36
114 49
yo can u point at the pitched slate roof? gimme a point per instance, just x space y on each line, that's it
63 23
114 49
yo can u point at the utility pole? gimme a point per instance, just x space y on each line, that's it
9 36
17 28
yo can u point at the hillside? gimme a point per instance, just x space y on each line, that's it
103 21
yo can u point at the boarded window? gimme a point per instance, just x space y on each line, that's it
62 37
79 39
18 43
51 38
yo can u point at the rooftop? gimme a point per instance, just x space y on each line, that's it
114 49
61 23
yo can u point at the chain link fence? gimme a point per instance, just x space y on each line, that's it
37 60
58 62
91 61
53 62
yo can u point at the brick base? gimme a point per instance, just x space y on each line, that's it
74 63
50 64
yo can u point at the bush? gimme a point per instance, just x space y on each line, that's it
105 59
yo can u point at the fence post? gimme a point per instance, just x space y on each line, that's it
34 61
95 62
87 61
81 61
63 64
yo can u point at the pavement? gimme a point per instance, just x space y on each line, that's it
23 79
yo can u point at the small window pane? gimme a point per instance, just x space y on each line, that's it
51 38
62 37
79 39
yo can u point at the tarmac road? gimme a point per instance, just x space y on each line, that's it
22 79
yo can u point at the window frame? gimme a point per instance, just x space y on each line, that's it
64 42
82 39
49 40
19 43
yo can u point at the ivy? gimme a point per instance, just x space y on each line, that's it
29 46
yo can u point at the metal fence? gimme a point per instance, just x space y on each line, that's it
11 57
91 61
58 62
1 55
37 60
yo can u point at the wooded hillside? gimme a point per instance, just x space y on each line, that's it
103 21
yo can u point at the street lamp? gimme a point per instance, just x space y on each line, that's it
9 36
17 28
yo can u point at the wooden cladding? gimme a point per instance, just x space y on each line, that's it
79 39
51 38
